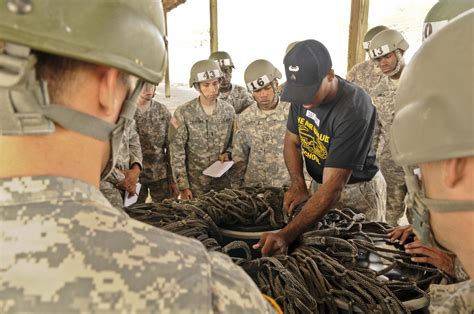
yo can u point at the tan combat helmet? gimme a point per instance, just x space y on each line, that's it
204 70
370 34
385 42
223 58
433 113
113 33
259 74
443 11
127 35
290 46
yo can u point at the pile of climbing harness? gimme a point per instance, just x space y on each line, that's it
345 262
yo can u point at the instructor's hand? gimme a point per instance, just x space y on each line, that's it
186 194
271 244
293 197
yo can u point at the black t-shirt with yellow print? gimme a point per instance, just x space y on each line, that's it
337 134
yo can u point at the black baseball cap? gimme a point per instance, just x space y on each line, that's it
306 65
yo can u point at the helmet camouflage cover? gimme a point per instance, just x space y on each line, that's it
385 42
123 34
370 35
259 74
223 58
204 70
443 11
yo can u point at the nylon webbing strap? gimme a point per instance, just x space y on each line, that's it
80 122
449 205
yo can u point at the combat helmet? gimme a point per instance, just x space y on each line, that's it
204 70
110 33
440 14
223 58
370 34
385 42
259 74
433 117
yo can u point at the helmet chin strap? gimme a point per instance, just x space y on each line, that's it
399 63
26 108
420 207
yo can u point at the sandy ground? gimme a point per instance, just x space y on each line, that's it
180 93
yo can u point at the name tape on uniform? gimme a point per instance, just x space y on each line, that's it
258 83
208 75
380 51
313 116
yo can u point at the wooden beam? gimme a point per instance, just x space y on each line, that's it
167 71
213 29
357 30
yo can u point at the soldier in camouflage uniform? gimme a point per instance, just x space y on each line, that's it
152 120
432 128
234 94
258 143
64 248
367 74
201 133
124 176
387 49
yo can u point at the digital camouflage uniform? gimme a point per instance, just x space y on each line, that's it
197 141
258 146
152 128
64 249
129 153
365 197
365 74
383 96
454 298
238 97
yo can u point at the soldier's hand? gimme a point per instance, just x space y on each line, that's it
132 191
431 255
186 194
293 197
400 233
173 189
224 157
131 177
271 244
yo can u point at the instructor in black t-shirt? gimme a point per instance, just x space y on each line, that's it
331 124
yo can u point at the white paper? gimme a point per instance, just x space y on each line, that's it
132 200
217 169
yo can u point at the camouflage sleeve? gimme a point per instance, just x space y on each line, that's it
240 156
169 172
241 147
350 76
228 146
248 100
459 271
136 156
178 137
115 176
232 289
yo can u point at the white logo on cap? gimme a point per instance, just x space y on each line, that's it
294 68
